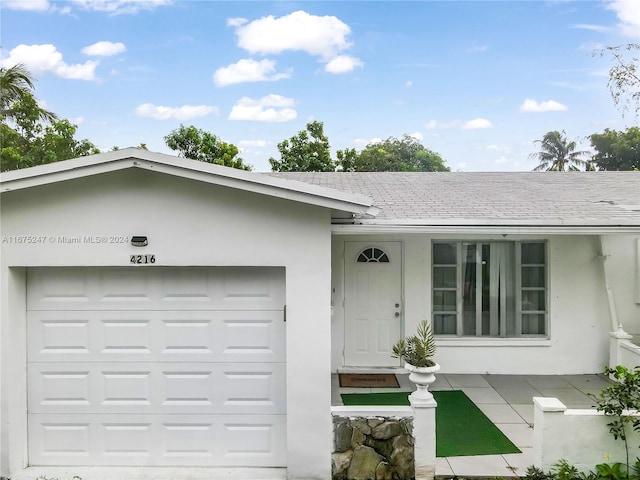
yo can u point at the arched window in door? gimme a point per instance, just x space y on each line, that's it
372 255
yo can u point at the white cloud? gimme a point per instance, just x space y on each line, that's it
47 59
236 22
477 123
324 37
342 64
431 124
185 112
409 83
478 48
272 108
113 7
494 148
32 5
416 135
247 70
252 143
628 12
531 105
593 28
363 142
116 7
104 49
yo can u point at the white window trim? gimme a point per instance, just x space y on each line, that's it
519 339
455 341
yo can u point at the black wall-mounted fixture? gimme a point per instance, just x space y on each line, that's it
139 241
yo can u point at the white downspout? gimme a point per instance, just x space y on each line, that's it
617 334
616 325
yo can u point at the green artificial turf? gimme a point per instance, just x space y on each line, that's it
461 427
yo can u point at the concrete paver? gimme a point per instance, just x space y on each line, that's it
507 401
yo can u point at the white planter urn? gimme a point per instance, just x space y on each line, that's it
422 377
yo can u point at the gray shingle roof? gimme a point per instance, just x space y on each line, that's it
505 198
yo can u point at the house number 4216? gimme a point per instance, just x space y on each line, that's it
142 259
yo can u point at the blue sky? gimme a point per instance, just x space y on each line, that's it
475 81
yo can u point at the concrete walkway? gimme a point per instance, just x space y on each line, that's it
507 401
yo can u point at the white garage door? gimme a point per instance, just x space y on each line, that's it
156 366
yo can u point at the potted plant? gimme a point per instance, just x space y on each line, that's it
417 352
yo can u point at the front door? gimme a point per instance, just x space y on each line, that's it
373 303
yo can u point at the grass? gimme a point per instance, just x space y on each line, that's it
461 427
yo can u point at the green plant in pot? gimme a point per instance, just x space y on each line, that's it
417 352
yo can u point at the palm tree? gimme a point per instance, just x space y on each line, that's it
15 82
557 154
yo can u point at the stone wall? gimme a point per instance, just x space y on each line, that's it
373 448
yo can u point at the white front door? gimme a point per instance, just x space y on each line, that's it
373 303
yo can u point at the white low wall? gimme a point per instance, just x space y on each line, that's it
623 351
579 436
629 354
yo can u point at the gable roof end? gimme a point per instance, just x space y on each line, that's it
126 158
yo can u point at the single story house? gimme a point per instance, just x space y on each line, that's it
163 312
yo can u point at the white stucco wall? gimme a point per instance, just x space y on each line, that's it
578 313
581 437
187 223
623 263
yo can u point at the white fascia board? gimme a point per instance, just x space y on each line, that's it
486 229
628 221
271 186
38 174
186 168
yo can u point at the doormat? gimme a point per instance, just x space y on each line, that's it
461 427
368 380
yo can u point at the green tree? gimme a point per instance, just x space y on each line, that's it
347 158
307 151
558 154
197 144
15 83
26 140
404 154
624 75
58 142
617 150
618 399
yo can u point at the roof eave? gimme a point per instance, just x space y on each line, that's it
488 229
192 169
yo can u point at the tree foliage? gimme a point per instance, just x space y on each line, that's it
620 398
16 83
624 76
26 140
198 144
347 159
617 150
558 154
404 154
307 151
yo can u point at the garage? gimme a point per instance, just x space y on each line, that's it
185 361
166 366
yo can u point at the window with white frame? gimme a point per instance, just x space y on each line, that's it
489 289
